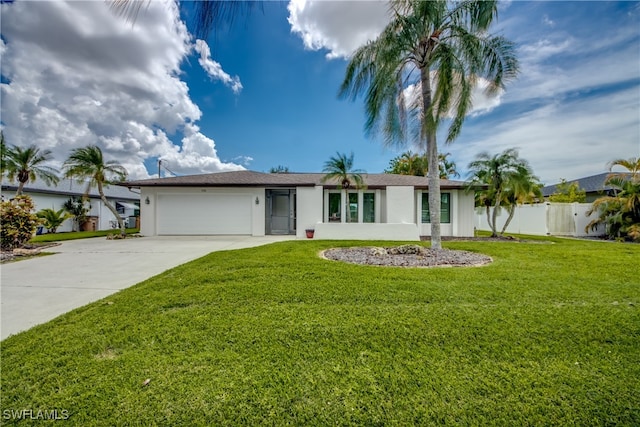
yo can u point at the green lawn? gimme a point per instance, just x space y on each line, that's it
549 334
74 235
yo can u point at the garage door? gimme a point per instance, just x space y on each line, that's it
203 214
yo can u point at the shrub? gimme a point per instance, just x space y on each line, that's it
568 193
53 219
18 222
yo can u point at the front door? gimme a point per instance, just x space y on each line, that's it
281 212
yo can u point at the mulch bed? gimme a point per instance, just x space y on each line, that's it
406 256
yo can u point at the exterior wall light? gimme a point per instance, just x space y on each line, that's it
147 201
257 201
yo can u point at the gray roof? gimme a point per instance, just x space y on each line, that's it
259 179
69 187
590 184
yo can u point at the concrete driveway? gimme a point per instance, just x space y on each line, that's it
37 290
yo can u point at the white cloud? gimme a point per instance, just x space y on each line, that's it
198 155
80 75
482 102
214 69
337 26
561 139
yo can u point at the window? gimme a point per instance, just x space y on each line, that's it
334 207
368 207
445 208
353 207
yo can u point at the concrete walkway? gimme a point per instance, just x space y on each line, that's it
37 290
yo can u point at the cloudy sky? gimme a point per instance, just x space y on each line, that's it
263 92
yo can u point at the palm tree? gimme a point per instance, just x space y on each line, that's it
88 164
439 49
26 164
340 168
53 219
521 187
620 213
447 167
506 179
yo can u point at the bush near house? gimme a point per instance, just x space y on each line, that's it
18 222
53 219
620 213
568 193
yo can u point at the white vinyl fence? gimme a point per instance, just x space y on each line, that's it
542 219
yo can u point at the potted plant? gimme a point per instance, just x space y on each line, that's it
309 232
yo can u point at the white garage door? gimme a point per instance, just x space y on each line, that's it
204 214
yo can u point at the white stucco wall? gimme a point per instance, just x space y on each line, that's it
366 231
400 205
462 215
308 209
560 219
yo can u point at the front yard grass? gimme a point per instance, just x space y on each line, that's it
74 235
548 334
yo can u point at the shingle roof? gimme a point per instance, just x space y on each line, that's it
260 179
70 187
590 184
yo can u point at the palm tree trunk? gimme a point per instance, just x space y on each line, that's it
113 210
347 206
512 210
494 217
20 187
433 176
491 225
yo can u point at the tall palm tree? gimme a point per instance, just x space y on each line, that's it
507 180
26 164
88 164
440 48
340 169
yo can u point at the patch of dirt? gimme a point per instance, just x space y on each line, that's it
27 251
406 256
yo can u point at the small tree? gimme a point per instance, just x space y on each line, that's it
620 213
18 222
279 169
568 193
409 163
53 219
507 180
78 209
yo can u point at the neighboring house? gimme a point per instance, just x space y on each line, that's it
390 207
593 186
125 201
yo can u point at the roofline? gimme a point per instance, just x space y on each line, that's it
66 193
325 186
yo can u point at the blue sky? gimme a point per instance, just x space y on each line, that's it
263 92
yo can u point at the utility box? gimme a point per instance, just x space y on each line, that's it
91 224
